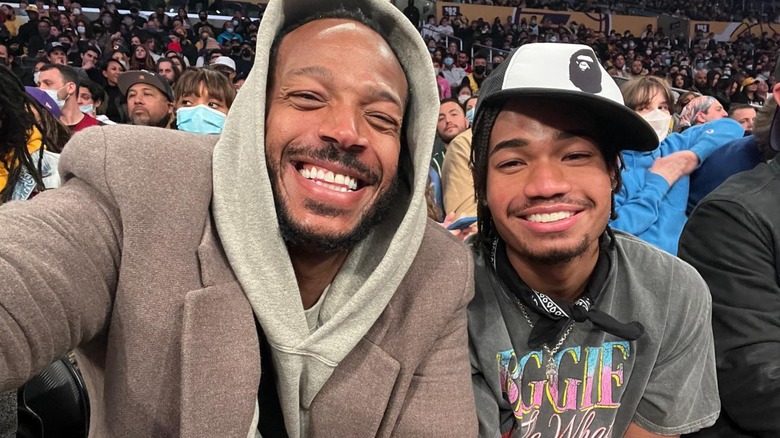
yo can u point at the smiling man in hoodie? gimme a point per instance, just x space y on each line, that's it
283 282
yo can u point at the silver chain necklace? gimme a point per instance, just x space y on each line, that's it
550 369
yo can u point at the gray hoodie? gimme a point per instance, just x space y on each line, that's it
245 217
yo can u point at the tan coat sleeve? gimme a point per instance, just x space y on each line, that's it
440 400
59 258
456 179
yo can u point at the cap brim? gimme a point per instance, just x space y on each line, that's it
125 81
619 126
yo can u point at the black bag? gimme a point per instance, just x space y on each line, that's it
54 404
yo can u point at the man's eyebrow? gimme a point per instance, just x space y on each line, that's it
508 144
565 135
313 71
384 94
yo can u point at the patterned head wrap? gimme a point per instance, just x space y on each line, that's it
694 108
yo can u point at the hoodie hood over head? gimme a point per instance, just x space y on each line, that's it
246 220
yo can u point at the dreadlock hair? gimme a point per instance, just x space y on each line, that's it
482 128
19 113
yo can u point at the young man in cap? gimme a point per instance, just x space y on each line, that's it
281 279
149 98
55 53
575 329
731 238
226 66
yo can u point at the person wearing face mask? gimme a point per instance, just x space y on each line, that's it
245 59
451 72
203 100
654 195
444 87
229 33
60 82
463 94
478 73
90 98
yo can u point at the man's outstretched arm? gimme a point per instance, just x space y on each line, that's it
59 262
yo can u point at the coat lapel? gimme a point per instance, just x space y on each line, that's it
356 400
220 355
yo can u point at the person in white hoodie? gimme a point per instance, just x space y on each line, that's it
281 279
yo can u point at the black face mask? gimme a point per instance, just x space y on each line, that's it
480 69
235 49
246 53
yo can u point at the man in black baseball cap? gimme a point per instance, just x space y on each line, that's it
149 98
573 326
56 53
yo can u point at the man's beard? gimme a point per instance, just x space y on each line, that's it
554 256
148 121
296 235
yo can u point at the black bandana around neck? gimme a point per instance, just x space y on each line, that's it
556 314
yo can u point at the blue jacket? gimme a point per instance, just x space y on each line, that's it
647 206
735 156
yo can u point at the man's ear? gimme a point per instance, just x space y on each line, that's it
699 117
776 92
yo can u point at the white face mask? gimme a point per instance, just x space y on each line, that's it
661 121
53 94
463 98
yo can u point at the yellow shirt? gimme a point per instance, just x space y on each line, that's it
13 26
33 144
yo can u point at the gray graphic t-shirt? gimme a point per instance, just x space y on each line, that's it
664 381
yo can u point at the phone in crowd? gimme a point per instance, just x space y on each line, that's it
462 223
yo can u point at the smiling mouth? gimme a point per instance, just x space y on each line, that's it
545 218
328 179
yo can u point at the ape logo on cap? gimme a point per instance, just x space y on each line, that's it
584 71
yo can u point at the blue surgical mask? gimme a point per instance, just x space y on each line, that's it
448 61
470 115
87 109
200 119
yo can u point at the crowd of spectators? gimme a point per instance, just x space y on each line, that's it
753 11
90 53
740 71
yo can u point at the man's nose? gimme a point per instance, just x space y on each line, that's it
343 127
546 180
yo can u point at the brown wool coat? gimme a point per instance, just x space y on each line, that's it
124 262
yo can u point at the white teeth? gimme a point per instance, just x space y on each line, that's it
323 177
550 217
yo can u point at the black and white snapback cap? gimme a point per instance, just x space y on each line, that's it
572 75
